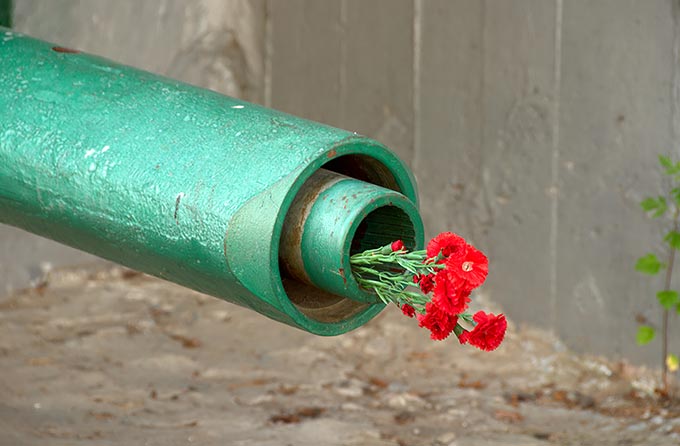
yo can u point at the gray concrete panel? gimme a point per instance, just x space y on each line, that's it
306 41
615 118
447 157
377 97
515 187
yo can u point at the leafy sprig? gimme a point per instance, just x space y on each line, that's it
650 264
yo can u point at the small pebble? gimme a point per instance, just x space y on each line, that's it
657 420
351 407
637 427
350 388
402 400
446 438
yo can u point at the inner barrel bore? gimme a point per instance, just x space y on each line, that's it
381 227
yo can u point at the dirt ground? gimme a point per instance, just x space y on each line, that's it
117 358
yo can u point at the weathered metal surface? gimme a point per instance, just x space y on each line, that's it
180 182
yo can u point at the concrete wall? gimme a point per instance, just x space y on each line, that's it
533 126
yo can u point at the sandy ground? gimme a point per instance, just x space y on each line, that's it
115 358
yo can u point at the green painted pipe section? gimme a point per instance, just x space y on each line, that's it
191 186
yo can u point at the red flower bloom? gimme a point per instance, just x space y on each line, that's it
397 245
426 282
472 268
449 294
488 333
440 323
448 243
408 310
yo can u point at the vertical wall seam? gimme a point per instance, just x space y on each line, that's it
342 75
268 53
555 165
417 55
675 82
479 231
482 76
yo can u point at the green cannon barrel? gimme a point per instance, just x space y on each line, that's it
251 205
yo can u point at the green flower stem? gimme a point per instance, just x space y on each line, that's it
664 323
467 317
389 274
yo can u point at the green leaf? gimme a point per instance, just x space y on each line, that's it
645 334
672 362
648 264
649 204
661 209
673 239
667 298
657 205
675 193
677 308
665 161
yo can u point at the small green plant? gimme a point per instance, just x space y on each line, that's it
656 207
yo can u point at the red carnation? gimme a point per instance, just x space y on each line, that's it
397 246
488 333
426 282
471 268
448 244
440 323
408 310
449 294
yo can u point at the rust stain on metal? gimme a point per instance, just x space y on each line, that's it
61 49
331 153
295 223
342 274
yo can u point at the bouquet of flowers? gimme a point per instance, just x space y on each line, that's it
434 286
